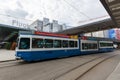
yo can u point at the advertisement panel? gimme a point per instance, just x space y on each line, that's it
112 33
117 34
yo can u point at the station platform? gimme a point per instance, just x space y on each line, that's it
7 55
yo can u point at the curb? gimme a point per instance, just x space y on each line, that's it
8 60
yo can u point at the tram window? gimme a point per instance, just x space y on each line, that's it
57 43
95 46
37 43
75 43
106 44
48 43
71 43
84 46
103 44
24 43
65 43
89 46
92 46
110 44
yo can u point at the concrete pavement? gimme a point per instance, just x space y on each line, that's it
7 55
115 75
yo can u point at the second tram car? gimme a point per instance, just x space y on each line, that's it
34 47
105 46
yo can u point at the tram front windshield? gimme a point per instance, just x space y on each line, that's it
24 43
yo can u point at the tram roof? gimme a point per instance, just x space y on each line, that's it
102 39
43 34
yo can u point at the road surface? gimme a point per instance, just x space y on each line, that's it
86 67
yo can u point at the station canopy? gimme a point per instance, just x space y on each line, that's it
113 8
91 27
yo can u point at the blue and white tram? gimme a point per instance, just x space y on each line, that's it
35 47
32 47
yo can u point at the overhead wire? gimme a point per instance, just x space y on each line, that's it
77 9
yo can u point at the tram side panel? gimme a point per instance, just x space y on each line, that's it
88 46
106 46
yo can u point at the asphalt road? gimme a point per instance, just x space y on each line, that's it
47 70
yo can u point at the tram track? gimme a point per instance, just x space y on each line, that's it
78 71
95 66
21 62
12 63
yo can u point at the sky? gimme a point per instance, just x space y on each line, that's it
69 12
